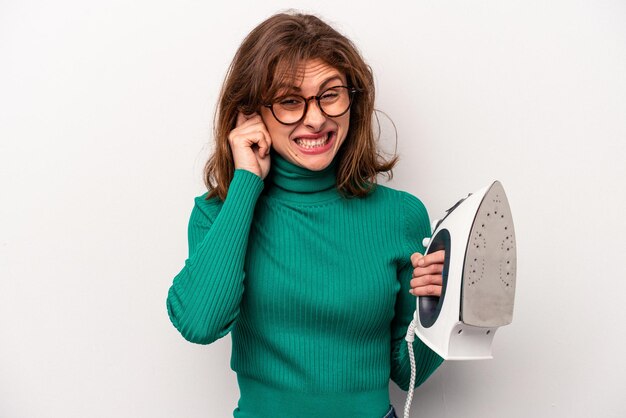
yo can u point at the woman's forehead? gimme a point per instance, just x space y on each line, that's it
309 73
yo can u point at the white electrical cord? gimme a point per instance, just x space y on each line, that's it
410 337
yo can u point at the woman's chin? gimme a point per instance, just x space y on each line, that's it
314 162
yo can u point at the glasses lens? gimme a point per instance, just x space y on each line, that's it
334 101
289 109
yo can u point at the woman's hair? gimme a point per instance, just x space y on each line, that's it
271 55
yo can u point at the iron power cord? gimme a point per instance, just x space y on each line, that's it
410 337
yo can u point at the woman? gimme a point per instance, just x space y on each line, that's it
294 249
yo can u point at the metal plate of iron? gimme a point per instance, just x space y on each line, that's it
490 266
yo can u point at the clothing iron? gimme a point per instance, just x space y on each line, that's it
479 275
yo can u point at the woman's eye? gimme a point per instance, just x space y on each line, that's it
290 101
329 95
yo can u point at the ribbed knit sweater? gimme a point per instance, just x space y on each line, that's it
313 286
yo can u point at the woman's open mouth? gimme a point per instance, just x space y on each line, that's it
316 144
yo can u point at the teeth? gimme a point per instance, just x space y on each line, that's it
312 143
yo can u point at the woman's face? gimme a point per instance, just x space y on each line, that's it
313 142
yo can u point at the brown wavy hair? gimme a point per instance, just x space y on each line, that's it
271 55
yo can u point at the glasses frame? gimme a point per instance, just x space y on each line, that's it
351 91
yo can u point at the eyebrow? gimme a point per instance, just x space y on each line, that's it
321 87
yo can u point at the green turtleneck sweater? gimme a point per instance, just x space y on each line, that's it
313 286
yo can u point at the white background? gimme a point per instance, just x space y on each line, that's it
105 121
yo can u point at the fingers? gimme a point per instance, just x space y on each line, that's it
241 118
427 279
244 120
415 257
251 132
250 143
428 285
429 264
430 269
419 260
430 290
256 140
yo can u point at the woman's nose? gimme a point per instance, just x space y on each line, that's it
314 118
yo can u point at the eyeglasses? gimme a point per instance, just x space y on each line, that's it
333 102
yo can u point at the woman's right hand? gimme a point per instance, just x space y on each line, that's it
250 144
427 273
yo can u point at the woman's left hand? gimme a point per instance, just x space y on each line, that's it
427 279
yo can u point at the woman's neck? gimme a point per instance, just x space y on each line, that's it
292 182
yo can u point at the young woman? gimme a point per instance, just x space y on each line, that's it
295 249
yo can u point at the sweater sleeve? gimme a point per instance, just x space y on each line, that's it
203 301
417 227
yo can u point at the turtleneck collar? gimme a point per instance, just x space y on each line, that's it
296 183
